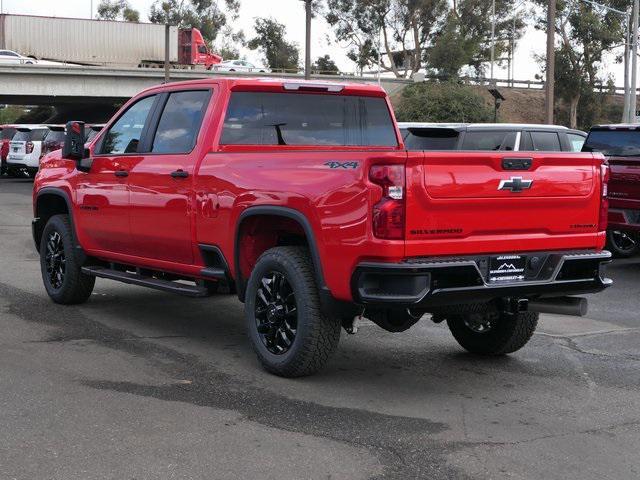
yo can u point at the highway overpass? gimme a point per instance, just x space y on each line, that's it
65 86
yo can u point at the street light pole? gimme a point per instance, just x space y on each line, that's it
627 58
307 53
493 37
634 63
551 60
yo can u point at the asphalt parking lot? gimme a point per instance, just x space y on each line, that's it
138 384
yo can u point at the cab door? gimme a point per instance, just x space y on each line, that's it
102 218
161 183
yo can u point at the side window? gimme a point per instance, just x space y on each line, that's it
526 145
546 142
576 142
487 140
180 122
202 49
124 135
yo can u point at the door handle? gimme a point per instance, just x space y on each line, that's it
121 173
517 163
179 174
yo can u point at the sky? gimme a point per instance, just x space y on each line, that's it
291 14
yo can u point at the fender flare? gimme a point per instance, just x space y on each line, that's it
38 224
277 211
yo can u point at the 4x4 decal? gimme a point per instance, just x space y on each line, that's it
345 165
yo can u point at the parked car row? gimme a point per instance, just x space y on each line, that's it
22 146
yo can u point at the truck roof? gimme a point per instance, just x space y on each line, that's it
279 84
466 126
617 126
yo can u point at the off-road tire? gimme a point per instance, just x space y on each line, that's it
76 287
620 251
508 333
317 335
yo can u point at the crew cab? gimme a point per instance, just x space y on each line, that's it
621 146
491 136
302 199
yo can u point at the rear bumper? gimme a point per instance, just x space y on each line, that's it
21 167
427 282
624 219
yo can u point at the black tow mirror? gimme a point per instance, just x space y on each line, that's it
73 148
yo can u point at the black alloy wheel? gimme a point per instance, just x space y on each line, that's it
622 244
55 260
276 313
288 329
61 268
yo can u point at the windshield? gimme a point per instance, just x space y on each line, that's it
620 143
430 138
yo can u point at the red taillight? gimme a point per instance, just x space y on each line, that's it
388 213
605 173
29 147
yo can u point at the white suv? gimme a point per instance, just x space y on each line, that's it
25 150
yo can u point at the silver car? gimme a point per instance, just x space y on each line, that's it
9 57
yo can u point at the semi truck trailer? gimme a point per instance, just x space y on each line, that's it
103 42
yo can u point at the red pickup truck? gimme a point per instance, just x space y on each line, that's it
621 146
301 198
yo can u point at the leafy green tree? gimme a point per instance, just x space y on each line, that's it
464 37
585 33
442 102
271 40
404 27
117 10
229 45
208 16
325 65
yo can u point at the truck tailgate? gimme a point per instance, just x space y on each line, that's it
624 186
479 202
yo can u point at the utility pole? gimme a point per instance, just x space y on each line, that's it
493 37
551 61
307 52
627 84
167 64
634 63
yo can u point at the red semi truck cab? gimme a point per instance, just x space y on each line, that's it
193 50
301 198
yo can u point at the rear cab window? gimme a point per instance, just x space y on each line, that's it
305 119
618 143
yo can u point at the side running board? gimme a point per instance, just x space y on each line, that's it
150 282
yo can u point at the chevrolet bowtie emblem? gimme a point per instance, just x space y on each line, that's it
515 184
